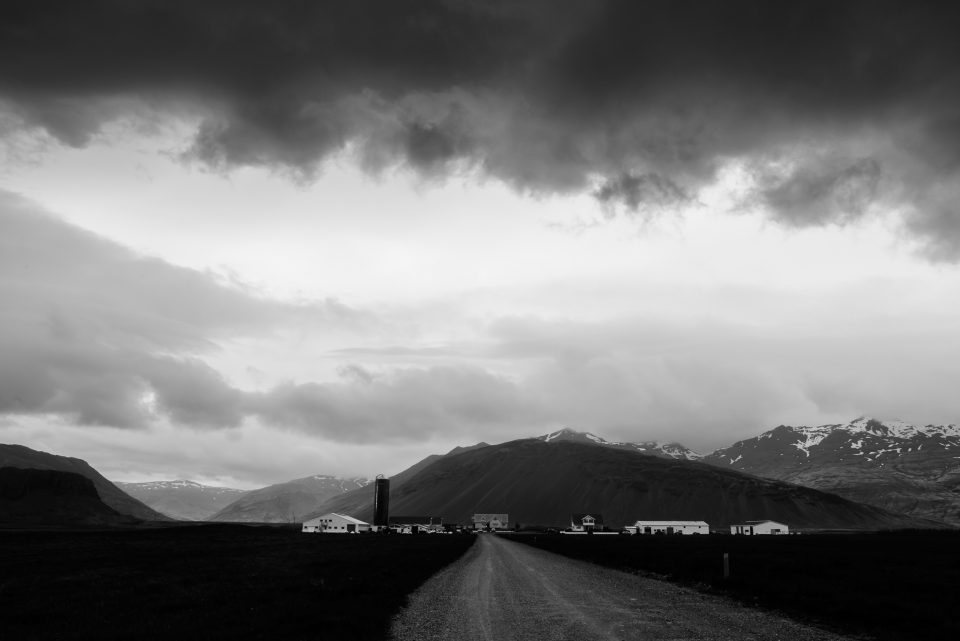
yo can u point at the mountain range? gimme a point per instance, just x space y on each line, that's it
183 500
890 464
894 465
543 481
286 502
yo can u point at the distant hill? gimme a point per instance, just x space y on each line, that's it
543 482
287 502
889 464
26 458
32 497
184 500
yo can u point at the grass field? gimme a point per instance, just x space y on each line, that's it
889 586
211 582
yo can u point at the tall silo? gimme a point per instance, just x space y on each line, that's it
381 501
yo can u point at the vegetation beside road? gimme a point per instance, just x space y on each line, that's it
889 586
211 581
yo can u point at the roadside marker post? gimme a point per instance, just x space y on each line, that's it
726 565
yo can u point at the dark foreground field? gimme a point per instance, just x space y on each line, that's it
211 582
889 586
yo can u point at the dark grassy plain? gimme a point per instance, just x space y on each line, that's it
211 582
888 586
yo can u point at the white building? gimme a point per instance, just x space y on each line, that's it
336 524
669 527
759 527
491 521
586 522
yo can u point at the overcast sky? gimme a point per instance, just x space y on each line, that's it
243 242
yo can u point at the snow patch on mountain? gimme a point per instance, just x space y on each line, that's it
888 431
667 450
811 437
179 484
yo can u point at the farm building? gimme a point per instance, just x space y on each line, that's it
416 524
669 527
336 524
586 522
759 527
491 521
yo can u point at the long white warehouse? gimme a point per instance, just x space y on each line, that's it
669 527
336 524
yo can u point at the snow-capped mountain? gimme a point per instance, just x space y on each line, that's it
890 464
663 450
181 499
287 502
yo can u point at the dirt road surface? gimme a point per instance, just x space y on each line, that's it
505 590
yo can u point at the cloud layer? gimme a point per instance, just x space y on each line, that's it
836 107
99 335
91 330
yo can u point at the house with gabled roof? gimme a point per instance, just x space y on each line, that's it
759 527
584 522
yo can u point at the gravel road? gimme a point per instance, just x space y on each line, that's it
505 590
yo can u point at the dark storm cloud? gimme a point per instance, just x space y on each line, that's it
643 191
91 330
633 100
823 192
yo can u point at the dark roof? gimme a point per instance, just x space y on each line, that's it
578 518
415 520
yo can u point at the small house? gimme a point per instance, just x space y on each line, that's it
759 527
670 527
335 524
586 522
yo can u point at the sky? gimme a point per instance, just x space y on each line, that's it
245 242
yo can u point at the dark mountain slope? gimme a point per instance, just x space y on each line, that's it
31 497
359 502
544 482
26 458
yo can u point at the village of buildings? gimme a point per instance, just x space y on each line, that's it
580 523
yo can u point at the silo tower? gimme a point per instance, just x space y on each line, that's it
381 501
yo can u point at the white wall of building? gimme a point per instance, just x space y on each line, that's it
494 521
670 527
759 527
334 523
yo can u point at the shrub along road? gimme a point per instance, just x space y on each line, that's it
502 589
